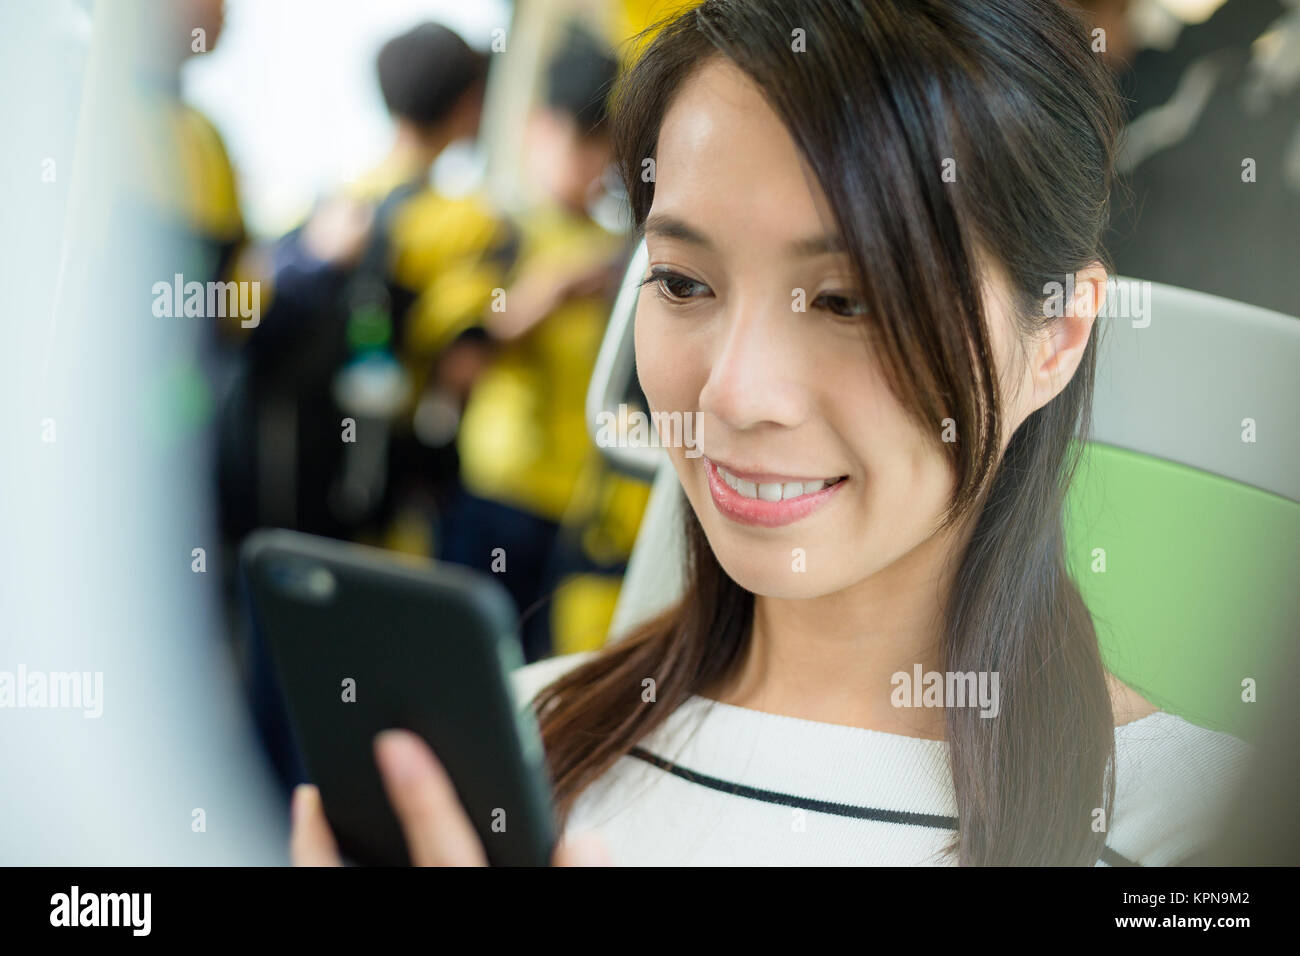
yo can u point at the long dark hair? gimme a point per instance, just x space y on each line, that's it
886 94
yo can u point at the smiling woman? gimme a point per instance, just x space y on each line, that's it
854 212
857 215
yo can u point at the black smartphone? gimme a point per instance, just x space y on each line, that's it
363 640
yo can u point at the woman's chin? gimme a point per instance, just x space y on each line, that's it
774 572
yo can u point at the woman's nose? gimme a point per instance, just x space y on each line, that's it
755 373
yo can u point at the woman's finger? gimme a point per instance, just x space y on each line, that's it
438 833
311 842
582 849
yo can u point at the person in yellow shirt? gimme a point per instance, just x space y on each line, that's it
538 503
374 290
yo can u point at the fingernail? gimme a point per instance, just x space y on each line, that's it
396 752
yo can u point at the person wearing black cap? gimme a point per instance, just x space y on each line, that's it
433 261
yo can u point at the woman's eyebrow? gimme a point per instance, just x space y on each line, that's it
817 246
670 227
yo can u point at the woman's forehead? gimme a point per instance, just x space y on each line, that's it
725 157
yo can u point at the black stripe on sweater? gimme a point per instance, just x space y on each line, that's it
904 818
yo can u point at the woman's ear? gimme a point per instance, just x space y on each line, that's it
1066 336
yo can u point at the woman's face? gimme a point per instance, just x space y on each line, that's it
787 400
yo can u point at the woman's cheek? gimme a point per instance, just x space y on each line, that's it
646 352
664 371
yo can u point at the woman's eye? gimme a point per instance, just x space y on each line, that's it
842 305
675 287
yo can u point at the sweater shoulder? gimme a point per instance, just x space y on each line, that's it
1174 784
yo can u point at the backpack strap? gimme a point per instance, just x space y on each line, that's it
370 275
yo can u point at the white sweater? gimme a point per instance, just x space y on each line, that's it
749 788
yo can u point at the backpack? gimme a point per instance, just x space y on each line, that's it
294 452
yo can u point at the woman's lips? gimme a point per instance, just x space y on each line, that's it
756 511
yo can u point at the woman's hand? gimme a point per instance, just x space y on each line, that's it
438 833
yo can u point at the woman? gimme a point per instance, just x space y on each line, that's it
853 212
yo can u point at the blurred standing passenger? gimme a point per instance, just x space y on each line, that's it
533 480
182 169
185 185
376 291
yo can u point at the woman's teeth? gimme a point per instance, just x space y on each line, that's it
773 491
